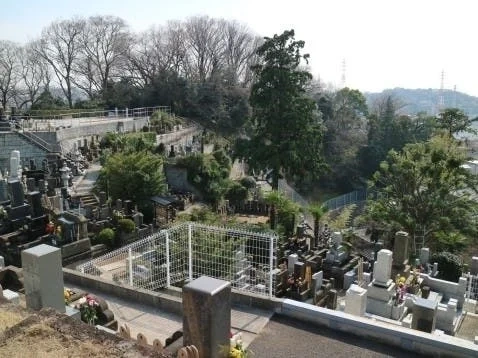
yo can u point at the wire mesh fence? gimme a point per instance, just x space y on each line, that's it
177 255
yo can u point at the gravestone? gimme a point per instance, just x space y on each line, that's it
36 204
16 193
317 279
424 255
474 265
299 270
207 315
349 279
400 249
3 189
382 268
356 300
51 187
43 277
382 288
42 186
31 184
15 169
291 260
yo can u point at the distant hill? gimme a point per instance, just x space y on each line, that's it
426 100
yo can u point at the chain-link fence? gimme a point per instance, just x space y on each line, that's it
188 251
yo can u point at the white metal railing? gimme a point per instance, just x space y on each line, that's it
188 251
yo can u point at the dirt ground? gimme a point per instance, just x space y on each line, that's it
25 334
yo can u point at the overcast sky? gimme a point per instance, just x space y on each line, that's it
385 43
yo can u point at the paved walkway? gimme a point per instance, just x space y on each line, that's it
155 323
83 185
284 337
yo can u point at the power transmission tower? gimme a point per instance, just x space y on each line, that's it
441 98
344 68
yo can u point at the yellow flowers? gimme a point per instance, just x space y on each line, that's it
67 293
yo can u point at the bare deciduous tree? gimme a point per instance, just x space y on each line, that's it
60 46
148 56
34 76
238 48
104 46
205 46
9 71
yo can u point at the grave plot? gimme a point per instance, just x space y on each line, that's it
178 255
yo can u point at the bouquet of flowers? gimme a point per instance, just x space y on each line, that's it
237 349
88 309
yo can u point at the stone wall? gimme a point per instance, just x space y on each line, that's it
10 141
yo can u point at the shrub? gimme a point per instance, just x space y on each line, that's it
107 237
126 225
236 192
248 182
449 266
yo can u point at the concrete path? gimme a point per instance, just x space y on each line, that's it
83 185
155 323
284 337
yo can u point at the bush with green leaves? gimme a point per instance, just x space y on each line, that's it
236 193
126 225
248 182
207 174
107 237
449 266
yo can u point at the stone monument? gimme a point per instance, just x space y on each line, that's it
207 316
382 288
400 249
356 300
43 277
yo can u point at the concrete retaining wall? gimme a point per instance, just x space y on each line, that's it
168 300
159 300
10 141
100 128
408 339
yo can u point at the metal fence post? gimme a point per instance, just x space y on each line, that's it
168 264
271 265
130 266
190 252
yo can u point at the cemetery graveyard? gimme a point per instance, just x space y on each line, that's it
41 211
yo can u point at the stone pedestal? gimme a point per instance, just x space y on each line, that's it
424 315
207 316
356 300
43 277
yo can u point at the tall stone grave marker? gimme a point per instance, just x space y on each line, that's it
400 249
207 316
43 277
381 290
382 268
